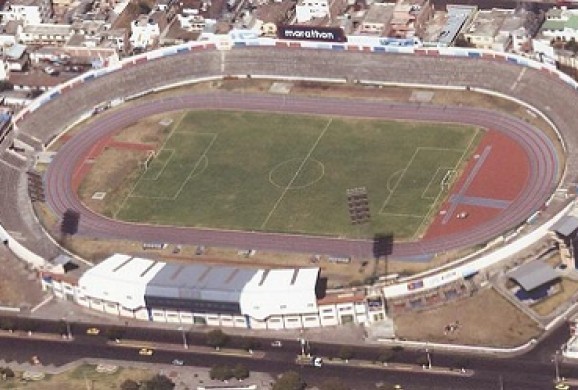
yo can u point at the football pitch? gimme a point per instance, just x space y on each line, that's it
290 173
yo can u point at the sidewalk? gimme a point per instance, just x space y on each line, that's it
58 310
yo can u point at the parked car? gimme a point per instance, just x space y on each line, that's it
51 71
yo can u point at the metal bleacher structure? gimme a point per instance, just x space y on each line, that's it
544 90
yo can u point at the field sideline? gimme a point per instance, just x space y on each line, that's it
289 173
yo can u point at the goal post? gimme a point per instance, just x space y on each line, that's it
151 154
447 179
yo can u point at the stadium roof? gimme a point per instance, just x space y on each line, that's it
280 291
120 278
533 274
200 282
566 226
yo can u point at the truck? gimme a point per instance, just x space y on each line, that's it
313 361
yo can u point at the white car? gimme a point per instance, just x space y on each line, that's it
178 362
317 362
276 344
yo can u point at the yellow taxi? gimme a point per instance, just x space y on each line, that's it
145 352
93 331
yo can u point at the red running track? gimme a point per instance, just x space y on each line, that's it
538 147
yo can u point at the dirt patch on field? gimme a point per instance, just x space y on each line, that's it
148 130
107 174
484 319
352 91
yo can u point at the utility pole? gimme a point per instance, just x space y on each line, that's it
185 344
556 366
428 357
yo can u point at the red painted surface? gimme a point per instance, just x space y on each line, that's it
503 176
97 150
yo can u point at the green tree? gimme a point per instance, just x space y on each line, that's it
249 344
129 384
422 360
289 380
6 373
333 384
345 353
385 356
159 382
221 373
217 338
7 324
241 372
114 333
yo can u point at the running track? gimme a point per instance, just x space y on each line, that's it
539 149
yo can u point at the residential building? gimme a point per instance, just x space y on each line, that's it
560 24
44 34
27 11
445 27
307 10
145 32
410 18
377 19
498 29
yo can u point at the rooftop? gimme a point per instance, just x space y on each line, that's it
199 281
336 298
566 226
379 13
275 12
488 22
533 274
48 29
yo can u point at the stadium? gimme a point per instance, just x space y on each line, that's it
519 79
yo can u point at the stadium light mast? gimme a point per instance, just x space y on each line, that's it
358 206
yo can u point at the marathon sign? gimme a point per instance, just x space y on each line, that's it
311 33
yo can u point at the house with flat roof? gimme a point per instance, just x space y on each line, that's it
27 11
377 19
560 24
502 30
446 26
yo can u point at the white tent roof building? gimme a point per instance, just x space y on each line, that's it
280 292
121 279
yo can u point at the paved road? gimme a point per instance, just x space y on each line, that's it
539 149
524 372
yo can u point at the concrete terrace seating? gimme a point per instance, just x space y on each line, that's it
17 215
52 118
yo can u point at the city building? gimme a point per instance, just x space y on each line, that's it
410 18
560 24
27 11
377 19
445 27
501 30
144 32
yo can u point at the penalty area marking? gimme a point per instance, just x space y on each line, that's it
440 192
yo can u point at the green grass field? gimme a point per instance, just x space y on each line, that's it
290 173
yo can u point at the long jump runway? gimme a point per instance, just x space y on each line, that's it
538 147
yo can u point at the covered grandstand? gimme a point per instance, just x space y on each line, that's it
201 294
